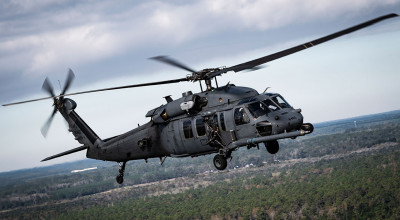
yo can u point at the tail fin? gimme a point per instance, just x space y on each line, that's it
65 153
82 132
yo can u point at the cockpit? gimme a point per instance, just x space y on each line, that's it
270 113
270 104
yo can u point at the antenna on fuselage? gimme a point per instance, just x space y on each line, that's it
266 89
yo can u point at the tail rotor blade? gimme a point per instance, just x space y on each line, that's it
48 87
46 126
68 82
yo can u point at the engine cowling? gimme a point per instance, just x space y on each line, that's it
187 105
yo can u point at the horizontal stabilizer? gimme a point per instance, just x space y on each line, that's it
65 153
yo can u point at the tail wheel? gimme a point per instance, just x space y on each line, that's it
272 146
220 162
120 179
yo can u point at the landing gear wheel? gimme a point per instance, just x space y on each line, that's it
220 162
272 146
120 179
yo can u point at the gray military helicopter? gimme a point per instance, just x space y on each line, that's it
218 120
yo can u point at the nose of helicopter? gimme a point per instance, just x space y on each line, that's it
280 121
297 119
291 120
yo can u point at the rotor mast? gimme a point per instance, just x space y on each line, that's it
208 84
206 75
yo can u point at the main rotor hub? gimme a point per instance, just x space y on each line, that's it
203 74
206 75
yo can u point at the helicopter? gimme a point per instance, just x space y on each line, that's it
218 120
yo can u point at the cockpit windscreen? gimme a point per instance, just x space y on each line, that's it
271 106
280 101
257 109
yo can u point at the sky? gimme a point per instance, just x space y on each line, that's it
108 43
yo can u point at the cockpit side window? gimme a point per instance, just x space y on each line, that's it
257 109
187 129
241 116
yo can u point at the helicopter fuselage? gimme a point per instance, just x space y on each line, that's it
209 122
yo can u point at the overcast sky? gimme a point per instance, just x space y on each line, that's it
108 43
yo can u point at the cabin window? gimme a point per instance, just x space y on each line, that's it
200 127
222 121
241 116
187 129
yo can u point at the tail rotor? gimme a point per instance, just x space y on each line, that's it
57 102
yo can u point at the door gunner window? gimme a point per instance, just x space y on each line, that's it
187 129
215 122
200 127
241 116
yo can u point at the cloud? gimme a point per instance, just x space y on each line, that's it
264 15
75 46
42 37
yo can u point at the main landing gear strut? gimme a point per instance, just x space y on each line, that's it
220 160
120 177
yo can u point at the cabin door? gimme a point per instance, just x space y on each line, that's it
194 136
225 127
175 140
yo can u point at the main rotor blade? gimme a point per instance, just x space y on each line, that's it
172 62
48 87
46 126
32 100
253 63
70 78
129 86
106 89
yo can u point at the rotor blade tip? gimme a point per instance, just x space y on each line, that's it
157 57
44 133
